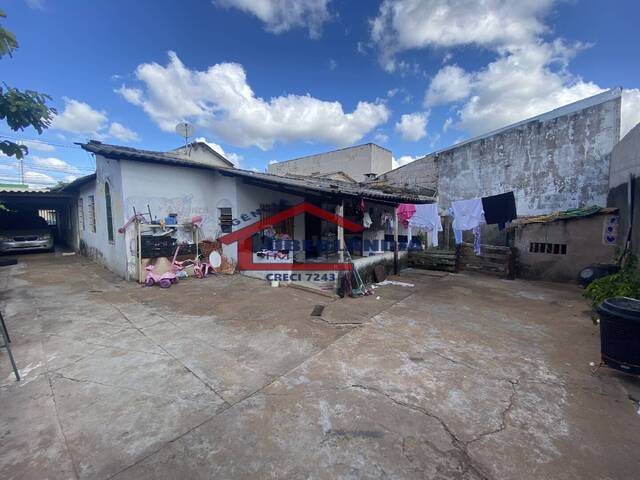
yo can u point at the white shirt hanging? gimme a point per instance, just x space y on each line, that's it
427 217
468 214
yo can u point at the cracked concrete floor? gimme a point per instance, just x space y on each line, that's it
463 376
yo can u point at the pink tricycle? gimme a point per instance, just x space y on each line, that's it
166 279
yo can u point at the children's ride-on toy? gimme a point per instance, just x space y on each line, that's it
166 279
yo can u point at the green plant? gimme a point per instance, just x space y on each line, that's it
20 109
625 283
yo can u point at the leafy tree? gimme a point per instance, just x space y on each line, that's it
20 109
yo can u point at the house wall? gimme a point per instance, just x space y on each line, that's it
96 245
172 189
551 163
625 162
250 198
354 161
586 245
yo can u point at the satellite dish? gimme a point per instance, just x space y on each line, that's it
185 130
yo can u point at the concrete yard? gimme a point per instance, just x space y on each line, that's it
463 376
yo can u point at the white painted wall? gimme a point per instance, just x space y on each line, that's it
96 245
171 189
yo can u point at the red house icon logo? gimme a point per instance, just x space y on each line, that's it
244 239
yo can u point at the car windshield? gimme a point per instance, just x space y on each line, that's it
15 221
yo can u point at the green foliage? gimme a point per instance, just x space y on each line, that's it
8 42
20 109
625 283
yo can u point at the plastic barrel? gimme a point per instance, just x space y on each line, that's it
620 333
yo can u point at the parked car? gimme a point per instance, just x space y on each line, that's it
21 232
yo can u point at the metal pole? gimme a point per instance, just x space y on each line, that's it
341 244
5 336
395 241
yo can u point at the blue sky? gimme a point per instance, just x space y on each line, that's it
271 80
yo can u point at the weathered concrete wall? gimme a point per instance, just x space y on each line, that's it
354 161
584 238
625 158
96 245
551 162
625 162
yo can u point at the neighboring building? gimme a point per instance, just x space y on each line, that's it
227 199
554 161
623 185
356 163
200 152
558 249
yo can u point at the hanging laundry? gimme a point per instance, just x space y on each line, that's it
427 218
366 220
468 214
362 205
476 239
387 221
499 209
457 234
405 212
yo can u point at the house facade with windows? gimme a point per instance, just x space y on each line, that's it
223 198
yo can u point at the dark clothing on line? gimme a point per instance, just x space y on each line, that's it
499 209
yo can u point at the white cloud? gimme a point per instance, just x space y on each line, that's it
54 164
381 138
39 146
408 24
119 131
39 172
521 83
38 179
282 15
35 4
333 64
79 117
450 84
630 110
221 100
447 124
403 160
413 126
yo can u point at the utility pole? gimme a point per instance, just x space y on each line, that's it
22 171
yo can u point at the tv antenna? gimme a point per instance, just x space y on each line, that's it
185 130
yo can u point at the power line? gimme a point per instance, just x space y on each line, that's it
35 140
45 168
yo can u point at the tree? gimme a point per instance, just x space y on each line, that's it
20 109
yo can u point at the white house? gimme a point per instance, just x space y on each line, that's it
226 198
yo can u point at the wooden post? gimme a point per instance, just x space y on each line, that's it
395 241
341 244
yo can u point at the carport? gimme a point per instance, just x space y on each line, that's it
56 208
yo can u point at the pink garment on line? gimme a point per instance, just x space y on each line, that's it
405 212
